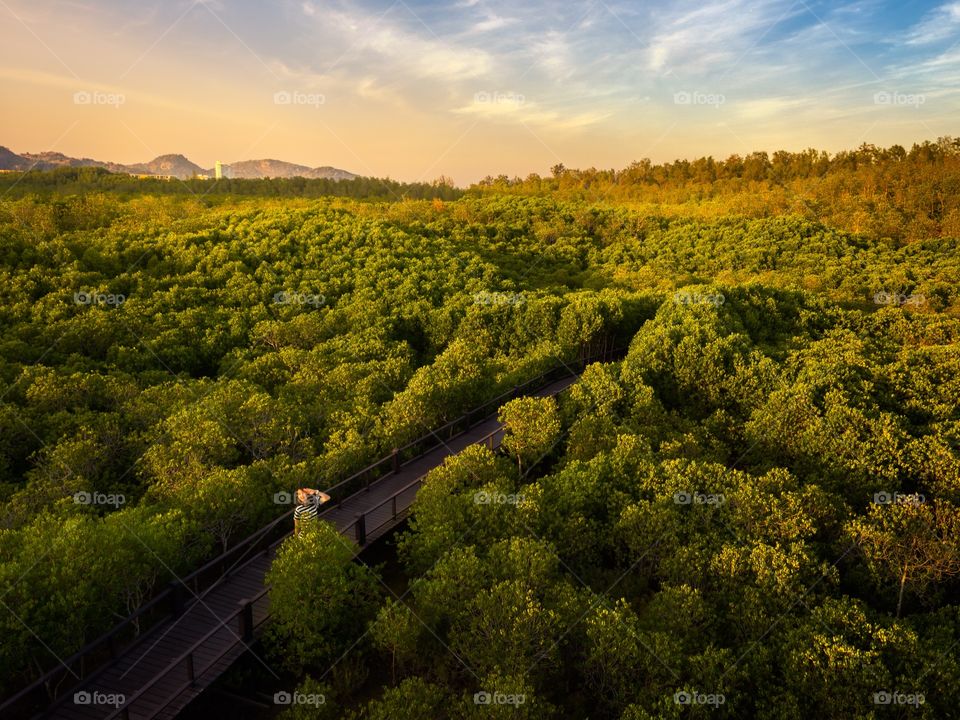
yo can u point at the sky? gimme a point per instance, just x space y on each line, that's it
414 90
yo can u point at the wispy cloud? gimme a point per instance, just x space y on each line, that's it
384 43
514 108
492 22
695 37
766 108
940 24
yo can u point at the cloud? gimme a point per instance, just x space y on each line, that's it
492 22
940 24
700 37
514 108
764 108
553 52
379 44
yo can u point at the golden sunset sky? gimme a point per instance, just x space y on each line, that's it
413 90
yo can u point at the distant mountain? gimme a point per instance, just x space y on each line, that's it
49 160
176 165
172 165
280 169
11 161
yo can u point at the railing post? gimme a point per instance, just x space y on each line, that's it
393 502
396 460
361 527
126 712
112 646
246 620
176 598
191 674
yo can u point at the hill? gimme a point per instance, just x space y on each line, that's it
174 164
251 169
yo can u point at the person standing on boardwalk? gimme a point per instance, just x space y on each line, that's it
308 505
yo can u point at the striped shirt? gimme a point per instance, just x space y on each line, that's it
307 511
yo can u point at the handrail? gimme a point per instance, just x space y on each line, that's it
419 479
249 540
485 440
175 663
360 473
431 439
162 596
189 651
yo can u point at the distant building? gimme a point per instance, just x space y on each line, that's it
218 170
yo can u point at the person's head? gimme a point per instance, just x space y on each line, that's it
306 496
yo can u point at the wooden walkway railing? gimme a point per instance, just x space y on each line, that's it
187 667
376 518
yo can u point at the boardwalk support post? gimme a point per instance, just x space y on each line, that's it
246 620
176 598
361 526
396 460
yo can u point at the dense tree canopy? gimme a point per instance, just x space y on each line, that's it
752 514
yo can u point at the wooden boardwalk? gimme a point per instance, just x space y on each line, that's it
170 665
